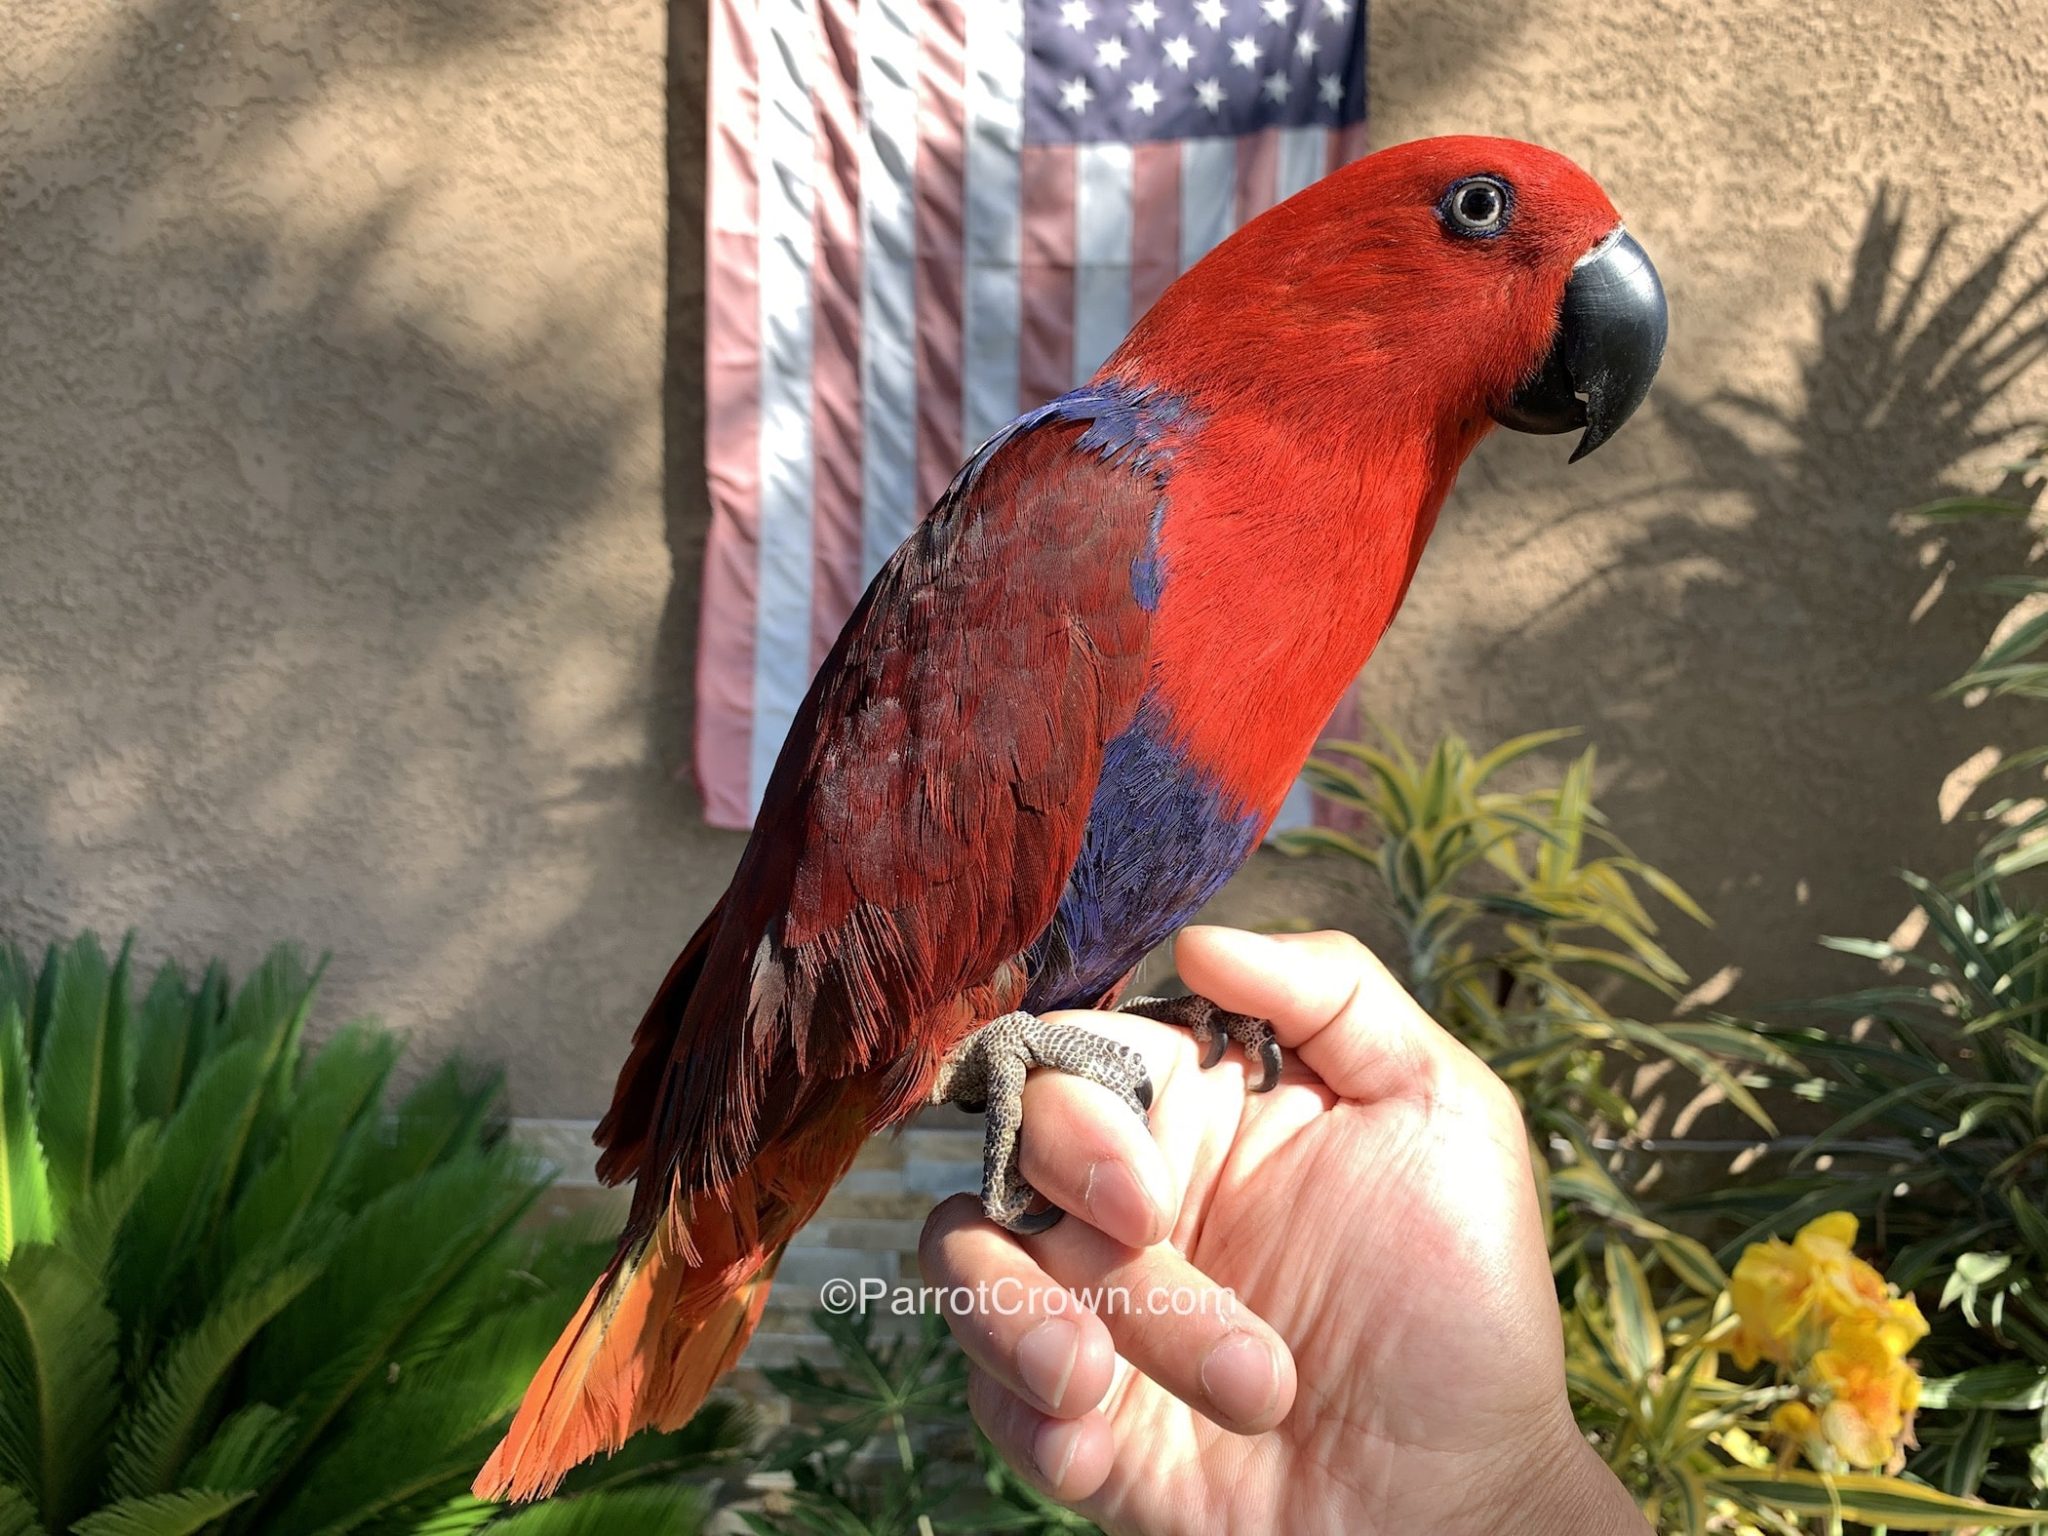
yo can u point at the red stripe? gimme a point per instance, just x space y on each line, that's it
941 252
835 331
1347 144
1155 222
1258 173
732 422
1045 341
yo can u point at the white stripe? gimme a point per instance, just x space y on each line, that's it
995 139
785 43
1304 156
1102 253
887 39
1296 811
1208 196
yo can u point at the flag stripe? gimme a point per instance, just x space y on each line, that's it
995 136
940 279
923 216
1102 253
1258 156
1208 196
732 405
782 617
1300 159
1155 221
888 89
837 481
1347 144
1046 319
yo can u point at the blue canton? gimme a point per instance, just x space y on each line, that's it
1128 71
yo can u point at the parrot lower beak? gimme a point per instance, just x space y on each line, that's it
1610 338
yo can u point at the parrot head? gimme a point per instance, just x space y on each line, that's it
1435 287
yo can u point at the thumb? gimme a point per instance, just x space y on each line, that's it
1331 1003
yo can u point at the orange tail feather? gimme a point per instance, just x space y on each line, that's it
648 1343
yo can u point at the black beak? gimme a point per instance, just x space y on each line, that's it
1610 338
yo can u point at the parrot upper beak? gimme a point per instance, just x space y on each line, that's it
1610 338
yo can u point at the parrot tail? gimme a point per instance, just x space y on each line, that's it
656 1331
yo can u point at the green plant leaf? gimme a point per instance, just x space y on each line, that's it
243 1452
2011 1384
1866 1497
169 1418
82 1088
185 1513
1638 1332
58 1381
169 1039
17 1515
167 1220
27 1212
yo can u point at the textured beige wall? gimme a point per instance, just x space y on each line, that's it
340 597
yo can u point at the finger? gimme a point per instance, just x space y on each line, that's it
1175 1324
1013 1320
1066 1458
1331 1002
1086 1152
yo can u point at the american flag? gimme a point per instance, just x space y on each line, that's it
923 217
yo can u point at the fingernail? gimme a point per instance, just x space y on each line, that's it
1052 1450
1118 1201
1045 1359
1240 1377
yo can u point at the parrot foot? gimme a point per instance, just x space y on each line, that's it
1214 1029
986 1071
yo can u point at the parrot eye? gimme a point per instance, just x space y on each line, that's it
1477 207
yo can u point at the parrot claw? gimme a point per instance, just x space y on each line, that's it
1214 1029
987 1071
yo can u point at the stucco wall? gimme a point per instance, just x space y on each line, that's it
341 598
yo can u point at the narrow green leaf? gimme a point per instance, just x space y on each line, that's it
184 1513
2010 1384
1867 1497
167 1044
58 1379
1690 1260
1638 1332
82 1085
631 1512
27 1214
169 1418
17 1514
243 1452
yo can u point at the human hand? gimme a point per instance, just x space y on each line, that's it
1392 1360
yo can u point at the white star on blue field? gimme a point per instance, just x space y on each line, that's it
1132 70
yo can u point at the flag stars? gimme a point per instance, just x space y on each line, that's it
1337 10
1330 90
1277 11
1075 95
1210 93
1180 53
1110 53
1146 14
1144 97
1211 13
1276 86
1076 15
1305 45
1245 52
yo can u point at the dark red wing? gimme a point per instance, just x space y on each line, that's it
923 815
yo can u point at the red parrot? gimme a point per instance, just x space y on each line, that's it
1065 712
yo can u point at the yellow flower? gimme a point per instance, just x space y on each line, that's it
1868 1393
1796 1427
1788 1296
1771 1291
